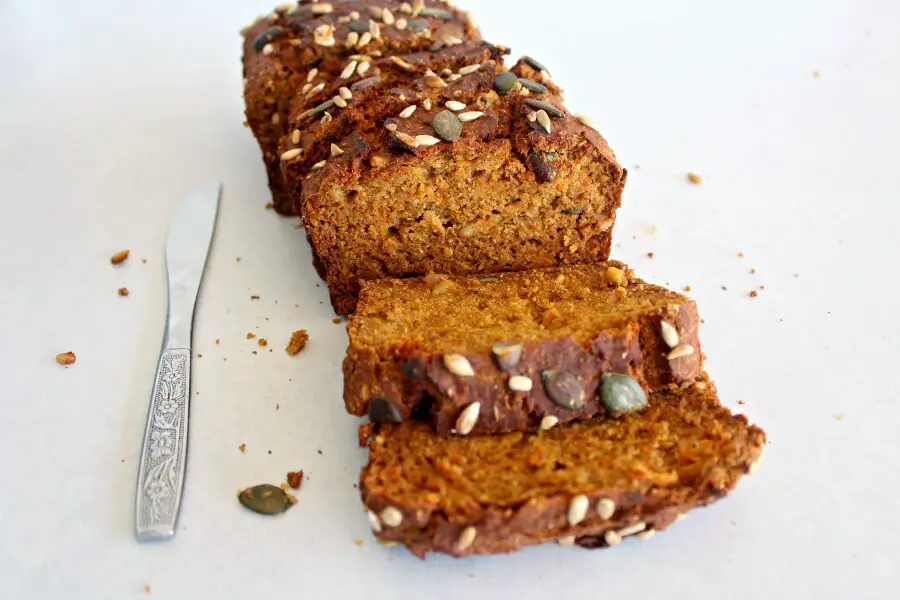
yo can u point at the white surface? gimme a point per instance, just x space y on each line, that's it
110 112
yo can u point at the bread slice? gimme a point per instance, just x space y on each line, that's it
592 482
448 161
582 321
314 40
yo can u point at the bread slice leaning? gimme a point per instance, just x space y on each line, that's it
591 482
433 348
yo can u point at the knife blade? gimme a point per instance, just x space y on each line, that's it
164 450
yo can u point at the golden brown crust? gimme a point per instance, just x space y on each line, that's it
568 319
274 76
518 489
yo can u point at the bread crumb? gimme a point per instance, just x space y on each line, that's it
270 206
119 257
359 543
254 297
295 479
263 341
649 255
740 255
66 358
144 260
753 294
218 341
694 178
298 342
250 335
741 402
148 589
337 321
621 292
686 288
269 451
796 275
123 291
242 447
839 416
615 275
651 229
238 259
284 487
254 352
816 74
753 271
724 289
199 356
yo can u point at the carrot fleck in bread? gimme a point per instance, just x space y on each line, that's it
286 53
516 351
446 161
590 483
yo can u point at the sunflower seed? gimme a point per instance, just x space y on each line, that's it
375 29
365 83
295 136
306 87
313 73
451 40
348 71
533 86
345 93
268 49
315 90
352 39
387 16
606 508
408 111
323 35
632 529
578 509
469 69
669 333
391 516
606 225
339 102
426 104
336 150
391 127
470 116
364 38
458 364
426 140
417 7
402 63
507 355
376 11
506 82
680 351
326 118
567 540
531 117
447 125
363 68
466 539
549 422
268 35
320 8
454 77
612 538
544 121
374 521
465 423
454 105
318 165
291 154
621 394
433 81
265 499
564 389
400 24
382 410
645 535
520 383
586 120
405 8
535 64
409 141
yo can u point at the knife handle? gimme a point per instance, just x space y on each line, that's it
164 452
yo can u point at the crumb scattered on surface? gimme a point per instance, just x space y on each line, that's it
649 255
651 229
199 355
270 206
66 358
753 271
753 294
277 406
123 291
337 320
839 416
298 342
119 257
254 352
359 543
319 451
218 341
254 297
816 74
242 447
694 178
263 342
250 335
740 255
238 259
284 487
269 451
144 260
741 402
148 589
686 288
295 479
796 275
724 289
762 287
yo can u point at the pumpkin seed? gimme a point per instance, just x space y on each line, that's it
541 162
533 86
563 388
265 499
365 83
621 393
417 25
545 106
506 82
506 354
535 64
266 36
382 410
436 13
447 125
576 212
359 26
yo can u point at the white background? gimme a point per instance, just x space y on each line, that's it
110 112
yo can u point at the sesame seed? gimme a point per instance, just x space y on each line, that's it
586 120
352 39
612 538
295 136
520 383
291 154
339 102
348 71
465 423
402 63
391 516
363 68
433 81
645 535
317 166
632 529
567 540
606 508
454 105
268 49
470 116
669 333
374 521
364 39
426 103
466 539
469 69
345 93
680 351
320 8
426 140
549 422
313 73
336 150
578 509
458 365
543 120
387 16
408 111
392 127
411 142
400 24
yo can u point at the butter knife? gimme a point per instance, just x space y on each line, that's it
164 451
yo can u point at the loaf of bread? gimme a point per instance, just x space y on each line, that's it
446 161
591 482
284 51
512 351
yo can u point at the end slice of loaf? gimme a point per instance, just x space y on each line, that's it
592 482
582 321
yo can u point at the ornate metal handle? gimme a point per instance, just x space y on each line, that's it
163 455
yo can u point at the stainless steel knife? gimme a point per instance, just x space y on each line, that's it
164 452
